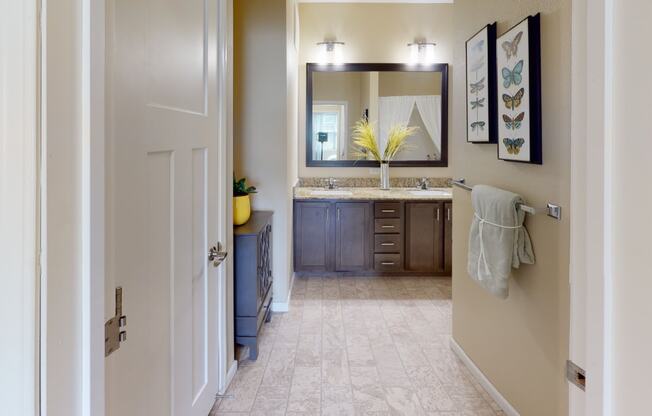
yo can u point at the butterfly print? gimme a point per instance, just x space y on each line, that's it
477 86
513 123
513 146
513 101
514 76
511 48
479 125
477 103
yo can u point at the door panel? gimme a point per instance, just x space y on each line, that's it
200 272
352 236
312 236
424 250
162 204
177 58
448 238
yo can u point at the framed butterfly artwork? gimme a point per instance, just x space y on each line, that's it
481 111
518 67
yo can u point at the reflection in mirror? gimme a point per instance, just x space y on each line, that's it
386 99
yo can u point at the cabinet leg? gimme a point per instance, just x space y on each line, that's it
253 351
268 315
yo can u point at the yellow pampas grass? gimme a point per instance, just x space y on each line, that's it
365 143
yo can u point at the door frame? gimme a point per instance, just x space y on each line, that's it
591 339
93 198
20 140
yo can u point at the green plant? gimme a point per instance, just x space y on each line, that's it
365 142
240 187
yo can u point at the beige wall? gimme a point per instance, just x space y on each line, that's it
521 343
374 33
409 83
264 135
632 285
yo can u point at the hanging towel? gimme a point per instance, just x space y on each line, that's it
498 240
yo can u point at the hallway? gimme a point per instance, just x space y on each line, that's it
372 346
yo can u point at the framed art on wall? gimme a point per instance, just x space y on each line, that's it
481 126
519 92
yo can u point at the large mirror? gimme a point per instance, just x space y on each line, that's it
385 94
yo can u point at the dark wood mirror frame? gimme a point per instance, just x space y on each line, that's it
442 68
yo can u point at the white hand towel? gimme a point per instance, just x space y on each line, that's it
498 240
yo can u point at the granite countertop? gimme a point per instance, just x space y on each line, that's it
363 193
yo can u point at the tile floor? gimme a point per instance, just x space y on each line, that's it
359 346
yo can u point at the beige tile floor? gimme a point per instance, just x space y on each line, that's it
359 346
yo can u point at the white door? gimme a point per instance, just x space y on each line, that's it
162 204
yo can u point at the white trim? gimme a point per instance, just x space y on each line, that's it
19 141
230 375
225 139
483 380
93 207
284 306
591 201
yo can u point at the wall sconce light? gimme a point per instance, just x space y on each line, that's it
422 52
331 52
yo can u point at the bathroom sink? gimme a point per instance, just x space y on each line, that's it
331 192
430 192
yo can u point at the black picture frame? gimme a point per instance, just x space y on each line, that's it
487 33
530 101
311 68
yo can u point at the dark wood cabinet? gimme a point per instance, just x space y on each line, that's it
252 278
424 251
352 236
312 236
372 237
448 238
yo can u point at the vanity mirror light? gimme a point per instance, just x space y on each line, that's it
337 96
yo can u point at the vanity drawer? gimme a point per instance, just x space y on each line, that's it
387 226
387 243
388 210
387 262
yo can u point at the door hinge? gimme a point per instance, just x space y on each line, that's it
113 328
575 374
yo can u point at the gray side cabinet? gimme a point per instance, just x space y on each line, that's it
252 278
372 237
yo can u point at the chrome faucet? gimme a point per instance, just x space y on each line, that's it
422 184
331 183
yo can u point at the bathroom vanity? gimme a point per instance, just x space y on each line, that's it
367 231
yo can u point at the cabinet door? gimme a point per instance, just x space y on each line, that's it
448 238
312 231
352 236
423 238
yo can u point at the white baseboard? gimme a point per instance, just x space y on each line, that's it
284 306
483 380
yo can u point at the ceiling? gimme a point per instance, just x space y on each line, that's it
380 1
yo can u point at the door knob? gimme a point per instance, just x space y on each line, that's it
216 255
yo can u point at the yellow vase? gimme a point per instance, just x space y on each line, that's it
241 209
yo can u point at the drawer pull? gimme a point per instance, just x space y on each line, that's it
387 226
387 263
389 211
387 244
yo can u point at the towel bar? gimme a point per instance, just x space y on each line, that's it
552 210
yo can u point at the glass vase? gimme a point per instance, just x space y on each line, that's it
384 175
